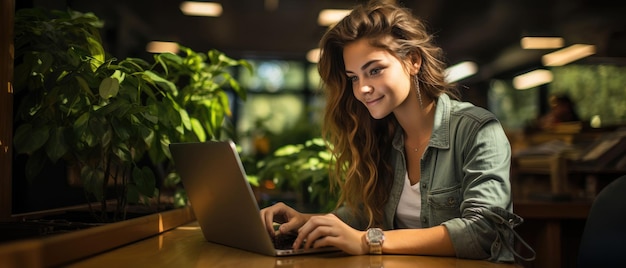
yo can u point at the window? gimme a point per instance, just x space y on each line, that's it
283 103
274 76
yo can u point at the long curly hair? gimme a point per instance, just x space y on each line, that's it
360 144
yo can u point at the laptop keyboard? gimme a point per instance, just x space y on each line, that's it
284 241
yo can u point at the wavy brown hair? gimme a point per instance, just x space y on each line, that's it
360 144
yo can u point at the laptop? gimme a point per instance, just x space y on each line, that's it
222 199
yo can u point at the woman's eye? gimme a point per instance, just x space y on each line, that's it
352 78
375 71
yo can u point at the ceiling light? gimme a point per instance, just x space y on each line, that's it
162 47
313 55
329 17
207 9
460 70
271 5
568 54
532 79
542 42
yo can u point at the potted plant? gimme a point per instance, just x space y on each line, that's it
109 119
301 168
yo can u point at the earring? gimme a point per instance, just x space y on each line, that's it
419 94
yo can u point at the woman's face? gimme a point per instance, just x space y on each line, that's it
378 79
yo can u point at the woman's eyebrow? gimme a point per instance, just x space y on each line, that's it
365 66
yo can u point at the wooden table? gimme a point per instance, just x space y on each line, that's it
185 247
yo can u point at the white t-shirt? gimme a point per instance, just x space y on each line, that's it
409 208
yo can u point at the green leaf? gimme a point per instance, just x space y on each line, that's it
88 137
247 65
83 85
223 101
171 180
73 57
180 198
81 123
122 152
184 116
82 130
154 153
160 80
119 76
147 134
218 111
97 52
164 59
133 67
198 129
43 63
121 131
92 181
152 113
172 115
97 126
28 139
144 179
109 87
171 57
106 138
56 146
214 56
150 117
254 180
165 143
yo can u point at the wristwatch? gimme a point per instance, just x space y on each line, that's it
375 238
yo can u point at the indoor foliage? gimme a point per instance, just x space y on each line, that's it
110 117
303 168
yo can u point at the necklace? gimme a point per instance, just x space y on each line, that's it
416 149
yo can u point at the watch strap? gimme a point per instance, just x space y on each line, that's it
375 244
376 248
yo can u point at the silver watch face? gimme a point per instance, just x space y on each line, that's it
374 235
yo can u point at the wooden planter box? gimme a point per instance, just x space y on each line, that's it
65 248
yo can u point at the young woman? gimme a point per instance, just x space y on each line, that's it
419 171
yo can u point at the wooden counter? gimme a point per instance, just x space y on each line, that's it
185 247
56 250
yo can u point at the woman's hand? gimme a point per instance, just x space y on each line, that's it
290 219
328 230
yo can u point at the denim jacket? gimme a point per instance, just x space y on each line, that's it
464 182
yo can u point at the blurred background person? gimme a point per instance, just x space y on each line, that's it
562 109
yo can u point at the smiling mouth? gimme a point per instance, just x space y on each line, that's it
372 101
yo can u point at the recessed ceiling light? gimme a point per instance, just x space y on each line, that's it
568 54
162 47
329 17
208 9
542 42
313 55
532 79
460 70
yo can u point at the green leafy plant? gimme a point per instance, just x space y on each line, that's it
302 168
107 117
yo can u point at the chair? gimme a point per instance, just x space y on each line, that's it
603 242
